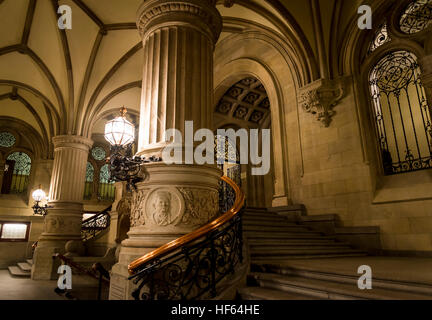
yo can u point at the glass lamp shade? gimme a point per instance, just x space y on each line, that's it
38 195
119 131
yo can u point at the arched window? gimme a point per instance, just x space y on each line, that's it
17 172
106 186
402 115
7 139
416 17
88 189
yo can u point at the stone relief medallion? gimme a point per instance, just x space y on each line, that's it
164 206
201 206
137 208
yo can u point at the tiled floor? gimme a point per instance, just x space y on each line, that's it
26 289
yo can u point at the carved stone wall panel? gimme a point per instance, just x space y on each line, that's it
201 206
137 211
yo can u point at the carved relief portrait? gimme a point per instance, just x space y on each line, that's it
164 207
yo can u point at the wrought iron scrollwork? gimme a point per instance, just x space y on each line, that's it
416 17
92 226
194 271
402 116
125 167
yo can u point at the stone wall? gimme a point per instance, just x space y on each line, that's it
339 178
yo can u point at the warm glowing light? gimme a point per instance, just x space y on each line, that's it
39 195
120 131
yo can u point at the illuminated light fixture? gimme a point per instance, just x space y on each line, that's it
120 131
39 195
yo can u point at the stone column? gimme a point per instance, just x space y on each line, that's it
64 219
178 41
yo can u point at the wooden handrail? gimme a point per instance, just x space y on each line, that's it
190 237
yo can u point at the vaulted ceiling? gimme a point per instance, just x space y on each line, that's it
70 81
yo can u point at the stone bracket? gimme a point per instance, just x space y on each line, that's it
319 98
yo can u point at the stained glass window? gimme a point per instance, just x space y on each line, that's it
7 139
381 37
88 189
401 113
416 17
98 153
106 187
21 171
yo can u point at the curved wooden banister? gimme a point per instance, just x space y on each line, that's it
190 237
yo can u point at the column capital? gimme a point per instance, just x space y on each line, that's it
72 141
201 14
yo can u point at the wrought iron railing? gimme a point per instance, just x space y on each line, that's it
192 266
94 225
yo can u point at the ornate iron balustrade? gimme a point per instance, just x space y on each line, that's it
92 226
192 266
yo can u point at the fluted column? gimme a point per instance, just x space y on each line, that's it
178 40
64 219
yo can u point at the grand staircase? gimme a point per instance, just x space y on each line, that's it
277 243
91 229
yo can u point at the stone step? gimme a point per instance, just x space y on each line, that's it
275 260
259 293
406 286
276 228
30 261
271 223
285 253
330 290
15 271
24 266
281 247
253 214
284 235
300 242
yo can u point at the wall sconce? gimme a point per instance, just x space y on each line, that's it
39 195
120 133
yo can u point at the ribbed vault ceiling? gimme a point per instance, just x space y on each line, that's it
69 81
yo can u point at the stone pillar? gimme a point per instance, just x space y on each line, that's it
64 219
178 41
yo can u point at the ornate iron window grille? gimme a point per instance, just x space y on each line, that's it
416 17
402 114
381 37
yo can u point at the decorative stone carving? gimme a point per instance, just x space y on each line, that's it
164 206
201 206
137 215
319 98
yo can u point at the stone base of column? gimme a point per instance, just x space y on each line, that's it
62 224
173 201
